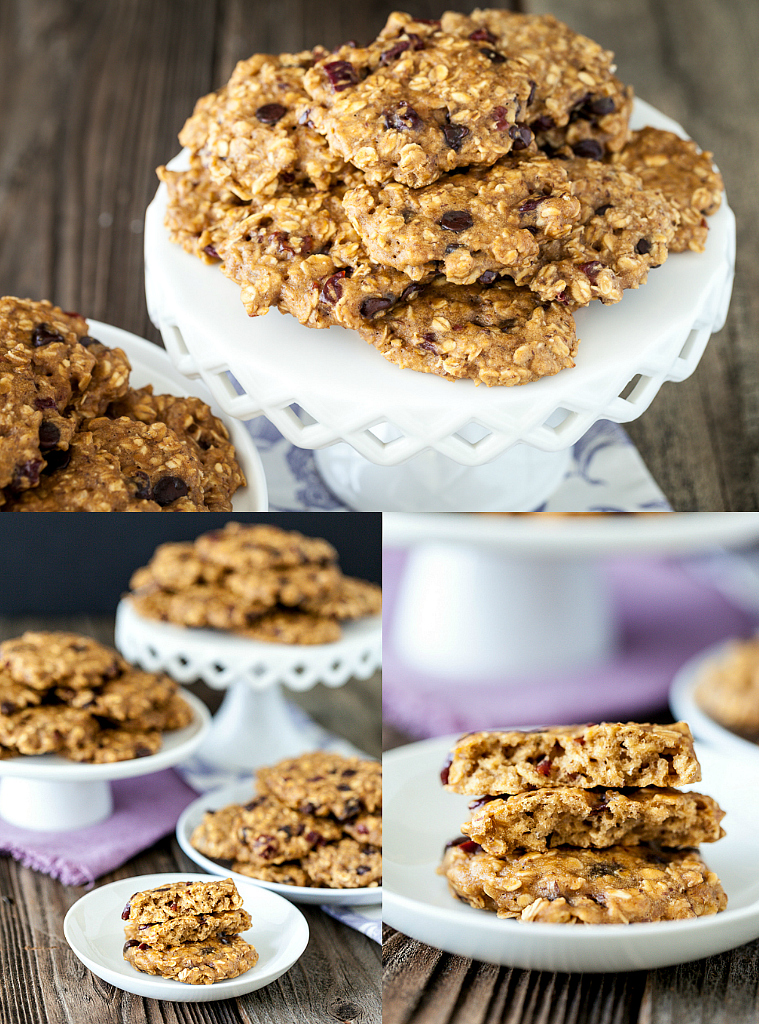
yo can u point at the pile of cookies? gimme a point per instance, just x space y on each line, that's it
453 191
315 820
728 689
189 931
76 437
61 693
583 825
258 581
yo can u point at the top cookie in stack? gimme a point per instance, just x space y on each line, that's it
259 581
453 191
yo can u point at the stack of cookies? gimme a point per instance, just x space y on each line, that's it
583 825
76 437
316 821
61 693
189 931
258 581
453 191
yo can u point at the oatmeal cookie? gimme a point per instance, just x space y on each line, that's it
324 783
218 834
291 626
196 427
349 598
48 730
612 754
199 214
499 335
242 547
596 818
576 98
192 928
418 102
110 745
177 899
175 714
291 587
344 865
684 175
272 833
15 696
195 963
728 688
176 566
248 135
201 606
282 874
618 885
42 660
127 697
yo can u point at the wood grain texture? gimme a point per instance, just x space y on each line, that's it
93 93
336 980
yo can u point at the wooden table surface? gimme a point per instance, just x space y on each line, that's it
95 91
336 980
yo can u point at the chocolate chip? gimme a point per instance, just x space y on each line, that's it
7 707
602 105
521 135
544 123
588 148
142 751
143 487
49 435
270 113
531 97
42 335
369 308
87 341
362 869
481 801
130 943
308 808
452 247
454 135
643 246
487 277
168 489
456 220
56 460
505 326
494 56
601 210
409 292
341 74
348 772
125 912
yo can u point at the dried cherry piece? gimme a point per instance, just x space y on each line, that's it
210 251
7 707
395 51
49 435
502 122
332 288
341 74
544 767
531 97
44 403
369 308
168 489
270 113
446 767
43 335
458 841
405 118
454 135
529 205
362 869
588 148
428 344
482 35
125 912
29 470
456 220
469 846
592 269
482 800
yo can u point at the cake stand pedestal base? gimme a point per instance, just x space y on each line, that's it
48 806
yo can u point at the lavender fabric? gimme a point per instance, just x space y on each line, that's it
145 809
666 613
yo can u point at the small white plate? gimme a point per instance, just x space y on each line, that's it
420 817
95 931
151 365
241 793
177 746
682 702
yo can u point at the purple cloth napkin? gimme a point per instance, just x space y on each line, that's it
666 616
145 809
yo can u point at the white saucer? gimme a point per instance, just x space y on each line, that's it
682 702
242 792
152 365
420 816
95 931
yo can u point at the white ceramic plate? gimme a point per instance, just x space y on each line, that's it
574 535
152 365
241 792
682 702
95 931
420 816
177 746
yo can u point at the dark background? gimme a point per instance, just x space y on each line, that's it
63 564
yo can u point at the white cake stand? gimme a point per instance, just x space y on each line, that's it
49 793
526 593
151 365
406 441
254 725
